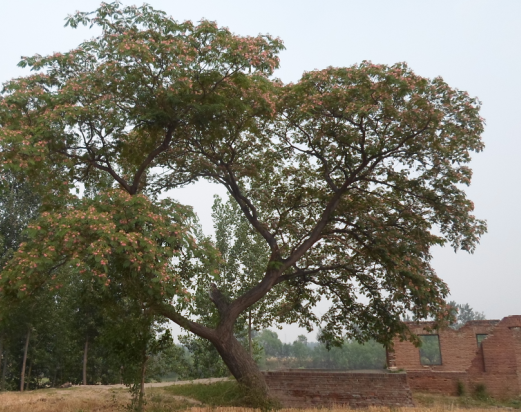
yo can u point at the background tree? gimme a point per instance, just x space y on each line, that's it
463 313
345 174
351 355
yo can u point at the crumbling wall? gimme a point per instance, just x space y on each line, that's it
308 388
458 347
495 363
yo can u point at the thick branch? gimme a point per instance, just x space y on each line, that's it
220 301
150 158
169 312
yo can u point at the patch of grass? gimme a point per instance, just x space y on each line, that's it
467 402
159 402
223 394
214 394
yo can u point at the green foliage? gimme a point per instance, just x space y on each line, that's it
462 313
19 204
430 353
302 354
205 360
460 389
222 394
480 391
348 176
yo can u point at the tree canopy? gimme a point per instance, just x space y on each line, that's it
349 175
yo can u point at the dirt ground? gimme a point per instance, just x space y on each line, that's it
115 398
93 398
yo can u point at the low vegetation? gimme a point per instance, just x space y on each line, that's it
470 401
225 396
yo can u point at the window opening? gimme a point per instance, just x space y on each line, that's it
480 337
430 353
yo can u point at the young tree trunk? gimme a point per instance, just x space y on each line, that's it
3 363
4 371
54 377
141 399
22 379
85 352
29 376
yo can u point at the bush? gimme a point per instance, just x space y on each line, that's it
480 391
460 389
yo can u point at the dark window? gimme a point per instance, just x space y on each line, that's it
480 337
430 353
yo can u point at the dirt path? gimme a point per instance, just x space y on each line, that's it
156 384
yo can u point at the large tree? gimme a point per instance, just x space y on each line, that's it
350 175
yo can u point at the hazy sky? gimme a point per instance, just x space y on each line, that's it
474 45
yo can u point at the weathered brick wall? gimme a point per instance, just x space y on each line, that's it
442 383
308 388
458 347
496 364
517 340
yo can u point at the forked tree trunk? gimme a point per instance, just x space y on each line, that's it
22 378
234 355
85 354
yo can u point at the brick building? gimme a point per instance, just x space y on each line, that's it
486 352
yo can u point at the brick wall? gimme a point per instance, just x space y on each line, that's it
496 363
442 383
458 347
308 388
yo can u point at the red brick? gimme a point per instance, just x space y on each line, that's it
496 364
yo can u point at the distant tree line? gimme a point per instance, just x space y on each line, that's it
304 354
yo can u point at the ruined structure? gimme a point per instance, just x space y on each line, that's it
484 353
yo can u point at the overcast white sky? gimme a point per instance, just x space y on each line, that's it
473 44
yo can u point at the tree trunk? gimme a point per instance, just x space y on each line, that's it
3 364
240 363
1 361
141 399
85 353
235 356
29 375
53 385
249 333
22 379
4 371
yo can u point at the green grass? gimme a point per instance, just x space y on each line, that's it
158 402
227 393
214 394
